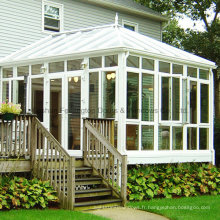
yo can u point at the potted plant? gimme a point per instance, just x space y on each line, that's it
9 110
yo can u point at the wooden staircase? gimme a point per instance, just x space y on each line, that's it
95 181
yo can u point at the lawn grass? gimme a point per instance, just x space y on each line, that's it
47 214
191 208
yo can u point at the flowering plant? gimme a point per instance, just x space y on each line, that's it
9 107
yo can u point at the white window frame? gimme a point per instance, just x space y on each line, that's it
56 5
130 23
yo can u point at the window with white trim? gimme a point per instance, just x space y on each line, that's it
52 16
130 25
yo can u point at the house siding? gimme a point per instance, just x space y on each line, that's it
21 21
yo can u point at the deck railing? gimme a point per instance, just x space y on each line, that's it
103 156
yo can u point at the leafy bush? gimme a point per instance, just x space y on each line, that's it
217 141
176 180
18 192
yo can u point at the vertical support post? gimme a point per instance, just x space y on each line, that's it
124 180
71 183
33 142
112 138
84 140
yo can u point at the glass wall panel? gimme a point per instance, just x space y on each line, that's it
7 72
165 102
203 138
133 61
23 71
5 91
132 95
176 99
36 69
164 138
203 74
184 103
74 110
164 67
56 67
37 97
109 94
93 94
204 101
193 102
132 137
191 138
147 137
177 138
111 61
74 65
95 62
192 72
177 69
147 97
18 93
147 64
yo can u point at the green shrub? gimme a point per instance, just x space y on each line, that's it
176 180
18 192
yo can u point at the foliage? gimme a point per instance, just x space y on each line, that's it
18 192
176 180
9 107
217 141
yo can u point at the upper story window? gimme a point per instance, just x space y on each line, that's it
52 16
130 25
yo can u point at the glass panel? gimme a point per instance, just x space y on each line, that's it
177 69
56 67
164 67
147 137
203 138
50 11
37 97
203 74
132 137
164 138
147 97
111 61
191 72
177 138
133 61
36 69
93 94
18 93
74 106
147 64
95 62
5 91
176 99
23 71
165 93
55 107
129 27
193 102
191 138
184 109
7 72
132 95
109 94
204 101
74 65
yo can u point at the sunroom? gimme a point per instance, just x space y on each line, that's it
160 98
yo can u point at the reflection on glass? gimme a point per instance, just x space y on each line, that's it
36 69
109 94
164 67
111 61
203 138
23 71
177 138
55 107
132 136
204 101
147 97
132 95
191 72
147 64
164 138
191 138
7 72
74 65
203 74
74 110
56 67
18 93
184 109
165 94
147 137
177 69
193 102
93 94
175 99
37 97
133 61
95 62
5 91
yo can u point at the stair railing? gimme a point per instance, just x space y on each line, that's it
103 157
50 161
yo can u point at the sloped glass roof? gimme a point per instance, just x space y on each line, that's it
98 39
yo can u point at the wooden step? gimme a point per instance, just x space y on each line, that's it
78 170
93 192
89 181
98 204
